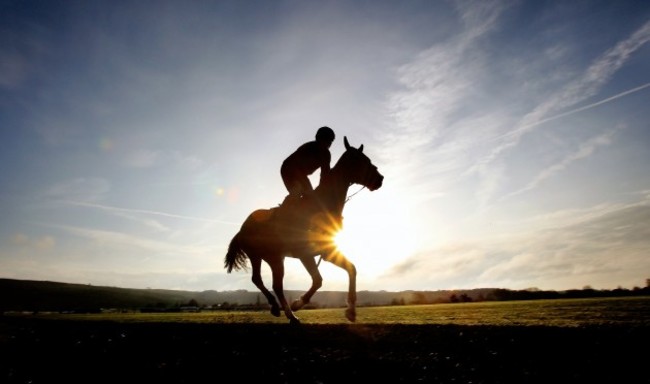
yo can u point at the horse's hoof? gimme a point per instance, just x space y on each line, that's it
351 315
275 311
297 304
294 321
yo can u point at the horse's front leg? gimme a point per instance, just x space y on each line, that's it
337 258
277 271
316 282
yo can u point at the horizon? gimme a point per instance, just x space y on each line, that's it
513 137
343 291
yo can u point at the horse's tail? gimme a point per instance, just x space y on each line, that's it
235 257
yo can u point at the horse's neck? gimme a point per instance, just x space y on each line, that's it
333 192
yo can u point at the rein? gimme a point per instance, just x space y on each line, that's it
352 195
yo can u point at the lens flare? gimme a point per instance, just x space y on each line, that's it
106 144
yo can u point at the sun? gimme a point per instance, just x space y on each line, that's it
375 236
378 234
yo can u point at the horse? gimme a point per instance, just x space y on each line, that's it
303 228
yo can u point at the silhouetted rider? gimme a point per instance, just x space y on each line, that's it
306 160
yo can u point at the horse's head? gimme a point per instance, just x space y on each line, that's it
360 169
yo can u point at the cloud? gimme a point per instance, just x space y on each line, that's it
36 243
126 241
479 17
186 162
118 210
141 158
614 244
589 106
80 189
601 244
585 150
581 88
435 86
590 82
149 158
45 242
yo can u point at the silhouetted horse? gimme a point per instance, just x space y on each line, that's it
303 228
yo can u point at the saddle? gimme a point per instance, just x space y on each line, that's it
295 211
305 214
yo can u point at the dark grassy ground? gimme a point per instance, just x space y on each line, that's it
47 351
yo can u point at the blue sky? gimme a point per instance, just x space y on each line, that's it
514 138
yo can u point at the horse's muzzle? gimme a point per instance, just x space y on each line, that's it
375 181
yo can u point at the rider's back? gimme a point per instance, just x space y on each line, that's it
307 158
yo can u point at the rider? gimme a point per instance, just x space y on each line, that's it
306 160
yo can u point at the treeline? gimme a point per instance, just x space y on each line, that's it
506 294
44 296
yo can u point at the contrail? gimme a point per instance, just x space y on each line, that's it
147 212
584 108
593 105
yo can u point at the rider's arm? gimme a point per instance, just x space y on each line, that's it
325 165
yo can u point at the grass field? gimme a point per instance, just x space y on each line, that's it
545 341
628 311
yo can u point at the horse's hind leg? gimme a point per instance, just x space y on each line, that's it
277 269
256 264
316 283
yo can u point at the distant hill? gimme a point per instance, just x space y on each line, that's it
31 295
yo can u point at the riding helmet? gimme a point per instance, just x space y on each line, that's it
325 133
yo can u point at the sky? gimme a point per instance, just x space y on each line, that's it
514 137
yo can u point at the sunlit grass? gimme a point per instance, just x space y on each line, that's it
632 311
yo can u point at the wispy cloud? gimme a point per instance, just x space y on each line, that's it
585 150
146 212
479 17
588 84
82 189
147 158
39 243
560 246
120 240
582 88
581 109
142 158
434 86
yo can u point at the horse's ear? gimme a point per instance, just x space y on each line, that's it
361 148
345 141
